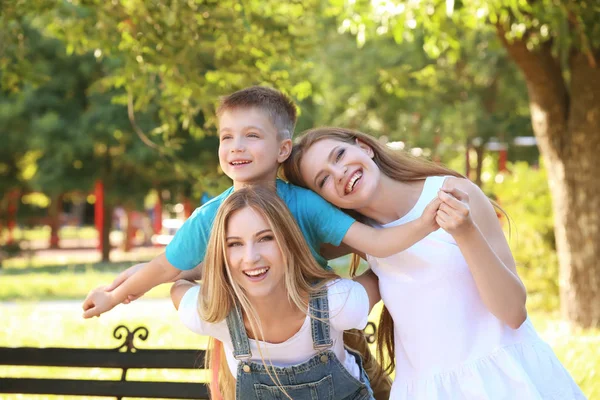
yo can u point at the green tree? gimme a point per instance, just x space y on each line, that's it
556 46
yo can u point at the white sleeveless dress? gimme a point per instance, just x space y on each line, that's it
448 345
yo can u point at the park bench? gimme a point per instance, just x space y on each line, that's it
125 357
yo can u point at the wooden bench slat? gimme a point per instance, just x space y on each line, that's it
167 390
103 358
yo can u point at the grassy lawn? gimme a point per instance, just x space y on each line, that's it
71 281
43 233
56 324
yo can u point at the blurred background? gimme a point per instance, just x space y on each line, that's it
108 138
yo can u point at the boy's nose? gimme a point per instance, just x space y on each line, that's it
237 146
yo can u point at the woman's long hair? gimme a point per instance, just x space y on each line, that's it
220 293
398 165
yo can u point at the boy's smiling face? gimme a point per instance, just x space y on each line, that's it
250 150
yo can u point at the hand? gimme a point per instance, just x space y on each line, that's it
122 277
429 217
454 214
97 302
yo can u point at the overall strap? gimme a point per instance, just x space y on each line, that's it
319 319
237 331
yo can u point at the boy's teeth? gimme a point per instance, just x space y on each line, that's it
357 175
256 272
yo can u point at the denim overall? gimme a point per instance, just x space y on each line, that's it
322 377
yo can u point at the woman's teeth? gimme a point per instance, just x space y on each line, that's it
256 272
350 185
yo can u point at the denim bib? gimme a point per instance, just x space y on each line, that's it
322 377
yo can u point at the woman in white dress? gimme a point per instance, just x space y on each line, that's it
460 326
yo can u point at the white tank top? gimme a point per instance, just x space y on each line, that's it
446 340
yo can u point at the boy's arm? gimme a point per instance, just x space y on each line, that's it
388 241
194 274
157 271
330 252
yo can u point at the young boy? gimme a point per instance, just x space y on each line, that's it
255 129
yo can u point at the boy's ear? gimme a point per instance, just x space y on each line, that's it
366 148
285 149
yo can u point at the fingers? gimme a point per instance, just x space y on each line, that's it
87 304
433 205
460 206
443 218
90 313
457 193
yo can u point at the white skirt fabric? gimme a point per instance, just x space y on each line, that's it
527 371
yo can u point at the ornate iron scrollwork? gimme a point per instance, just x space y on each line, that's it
128 345
370 332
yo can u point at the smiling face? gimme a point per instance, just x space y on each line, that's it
250 150
253 254
342 173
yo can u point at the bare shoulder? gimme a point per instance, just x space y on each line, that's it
476 198
454 182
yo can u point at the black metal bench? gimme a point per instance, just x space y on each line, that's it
126 356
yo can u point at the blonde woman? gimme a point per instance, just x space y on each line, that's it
279 315
460 328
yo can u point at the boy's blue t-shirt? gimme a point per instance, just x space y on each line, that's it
319 221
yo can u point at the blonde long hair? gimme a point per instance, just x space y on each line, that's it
220 293
400 166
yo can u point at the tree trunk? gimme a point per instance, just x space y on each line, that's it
566 123
54 211
106 227
579 244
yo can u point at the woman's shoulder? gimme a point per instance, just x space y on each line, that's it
190 316
348 304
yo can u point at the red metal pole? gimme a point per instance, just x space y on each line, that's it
99 212
502 157
187 208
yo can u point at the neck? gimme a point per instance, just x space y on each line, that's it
394 199
274 308
269 182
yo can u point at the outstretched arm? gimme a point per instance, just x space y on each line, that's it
194 274
157 271
388 241
467 214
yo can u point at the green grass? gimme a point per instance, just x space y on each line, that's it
43 233
47 281
56 325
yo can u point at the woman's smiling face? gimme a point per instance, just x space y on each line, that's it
342 173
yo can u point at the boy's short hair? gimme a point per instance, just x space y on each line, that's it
279 107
